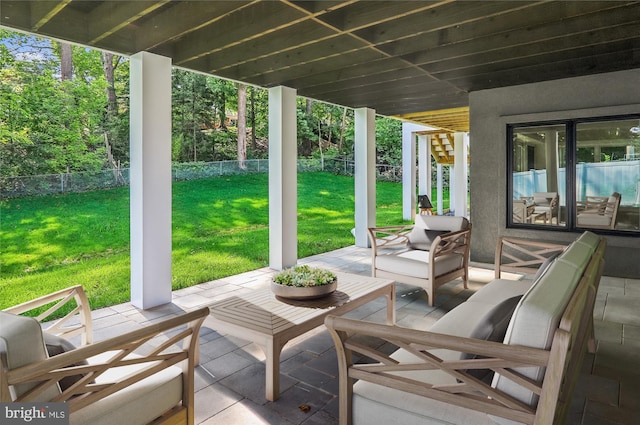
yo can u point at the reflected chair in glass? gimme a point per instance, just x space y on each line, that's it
546 203
600 218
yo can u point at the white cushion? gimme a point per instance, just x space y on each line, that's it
373 404
138 404
22 343
499 290
376 404
416 263
535 320
589 239
440 222
594 220
577 255
462 319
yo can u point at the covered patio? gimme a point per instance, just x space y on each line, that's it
230 379
453 66
499 61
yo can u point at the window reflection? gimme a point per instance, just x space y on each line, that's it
608 175
603 179
539 175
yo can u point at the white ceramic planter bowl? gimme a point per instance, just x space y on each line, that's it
303 292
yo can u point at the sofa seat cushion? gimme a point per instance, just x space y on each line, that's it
376 404
157 394
416 263
499 290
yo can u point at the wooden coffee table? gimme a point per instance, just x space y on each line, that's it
271 322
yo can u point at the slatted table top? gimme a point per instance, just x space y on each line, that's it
261 311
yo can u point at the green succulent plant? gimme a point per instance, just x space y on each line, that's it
304 276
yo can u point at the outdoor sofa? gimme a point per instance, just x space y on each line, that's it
140 377
510 354
429 253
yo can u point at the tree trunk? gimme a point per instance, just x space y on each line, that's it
252 118
222 111
66 62
342 126
309 106
242 125
108 67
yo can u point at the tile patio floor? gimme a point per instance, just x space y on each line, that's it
230 378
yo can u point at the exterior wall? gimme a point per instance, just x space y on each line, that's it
608 94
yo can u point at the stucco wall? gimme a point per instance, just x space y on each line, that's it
491 110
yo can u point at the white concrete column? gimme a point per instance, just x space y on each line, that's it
150 175
409 170
409 131
365 174
424 166
439 187
283 178
460 173
452 189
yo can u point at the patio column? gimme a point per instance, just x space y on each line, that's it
459 200
283 178
409 131
150 176
440 188
424 166
365 174
409 170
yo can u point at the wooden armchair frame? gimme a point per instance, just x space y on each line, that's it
388 237
522 255
592 205
153 348
69 325
457 242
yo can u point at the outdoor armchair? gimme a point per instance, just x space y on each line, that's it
143 376
599 214
429 253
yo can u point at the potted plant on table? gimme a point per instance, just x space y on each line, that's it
304 282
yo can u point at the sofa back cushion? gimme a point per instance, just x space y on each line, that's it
545 198
22 343
441 222
538 314
491 327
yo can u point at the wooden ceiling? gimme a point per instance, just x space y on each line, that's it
401 58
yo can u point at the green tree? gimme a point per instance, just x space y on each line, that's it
388 141
49 124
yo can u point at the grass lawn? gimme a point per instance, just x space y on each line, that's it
220 228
